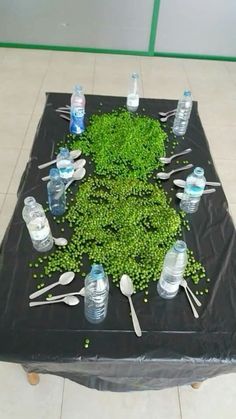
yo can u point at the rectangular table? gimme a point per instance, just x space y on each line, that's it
175 348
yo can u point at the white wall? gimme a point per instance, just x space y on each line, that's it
184 26
197 27
115 24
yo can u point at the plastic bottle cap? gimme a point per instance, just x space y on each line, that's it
30 200
198 171
97 271
64 151
187 93
135 76
78 88
180 246
54 173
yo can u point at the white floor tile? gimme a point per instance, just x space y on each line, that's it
232 210
205 70
13 130
227 174
20 400
112 74
18 97
83 403
66 69
2 197
215 399
2 54
222 141
8 160
218 112
163 78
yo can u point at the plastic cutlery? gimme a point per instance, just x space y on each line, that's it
166 113
164 118
77 165
205 192
56 297
69 300
74 154
127 289
181 183
167 160
78 175
64 279
184 284
165 175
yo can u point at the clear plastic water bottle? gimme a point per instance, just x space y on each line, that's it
173 270
56 193
183 114
132 102
77 111
37 224
65 165
194 187
96 294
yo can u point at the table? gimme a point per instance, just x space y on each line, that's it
175 349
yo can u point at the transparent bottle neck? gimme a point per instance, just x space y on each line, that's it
97 272
30 201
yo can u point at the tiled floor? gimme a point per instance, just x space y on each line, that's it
25 76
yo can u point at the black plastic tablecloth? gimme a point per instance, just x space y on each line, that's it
175 347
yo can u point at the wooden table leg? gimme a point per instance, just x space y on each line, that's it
33 378
196 385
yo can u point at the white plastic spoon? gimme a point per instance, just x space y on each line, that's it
167 160
74 154
181 183
180 195
60 241
127 289
56 297
164 118
77 165
165 175
166 113
69 300
78 175
195 313
184 284
64 279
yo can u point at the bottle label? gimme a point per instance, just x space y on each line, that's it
169 287
77 120
39 229
78 112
